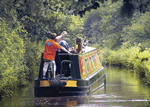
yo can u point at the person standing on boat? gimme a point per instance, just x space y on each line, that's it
49 54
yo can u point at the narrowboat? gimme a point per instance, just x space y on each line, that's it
86 75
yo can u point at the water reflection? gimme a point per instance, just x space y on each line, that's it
61 101
123 89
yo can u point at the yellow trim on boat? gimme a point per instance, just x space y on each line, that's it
44 83
71 83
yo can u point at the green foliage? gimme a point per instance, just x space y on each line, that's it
11 60
92 22
131 58
105 25
16 67
50 17
33 58
75 28
108 28
58 22
138 32
142 64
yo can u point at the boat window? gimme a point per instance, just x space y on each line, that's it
93 57
99 57
91 63
87 65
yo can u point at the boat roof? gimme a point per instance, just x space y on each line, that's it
88 49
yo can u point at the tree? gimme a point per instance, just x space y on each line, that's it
105 24
138 32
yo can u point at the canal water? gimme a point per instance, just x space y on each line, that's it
123 89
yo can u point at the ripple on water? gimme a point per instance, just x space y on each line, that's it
105 96
132 100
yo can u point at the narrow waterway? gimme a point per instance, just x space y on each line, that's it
123 89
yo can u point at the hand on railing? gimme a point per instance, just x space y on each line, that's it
69 53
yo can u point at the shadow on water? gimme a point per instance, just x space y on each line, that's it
123 89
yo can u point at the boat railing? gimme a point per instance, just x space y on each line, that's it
64 61
74 61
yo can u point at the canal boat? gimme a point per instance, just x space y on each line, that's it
86 75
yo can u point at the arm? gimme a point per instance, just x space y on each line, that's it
62 48
58 38
63 34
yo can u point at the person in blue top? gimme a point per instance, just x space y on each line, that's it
64 44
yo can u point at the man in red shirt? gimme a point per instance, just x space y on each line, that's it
49 54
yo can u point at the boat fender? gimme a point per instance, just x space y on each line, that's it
55 82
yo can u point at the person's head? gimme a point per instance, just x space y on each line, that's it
86 40
64 33
78 40
53 36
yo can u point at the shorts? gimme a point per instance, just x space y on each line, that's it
49 66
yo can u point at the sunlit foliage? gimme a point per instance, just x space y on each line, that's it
105 25
138 32
12 65
135 58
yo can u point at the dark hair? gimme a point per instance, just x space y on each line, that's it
79 43
78 40
53 35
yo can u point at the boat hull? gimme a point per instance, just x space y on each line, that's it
74 87
62 91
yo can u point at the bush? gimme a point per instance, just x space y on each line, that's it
131 58
33 58
11 59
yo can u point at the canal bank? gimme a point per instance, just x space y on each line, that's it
135 58
123 88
